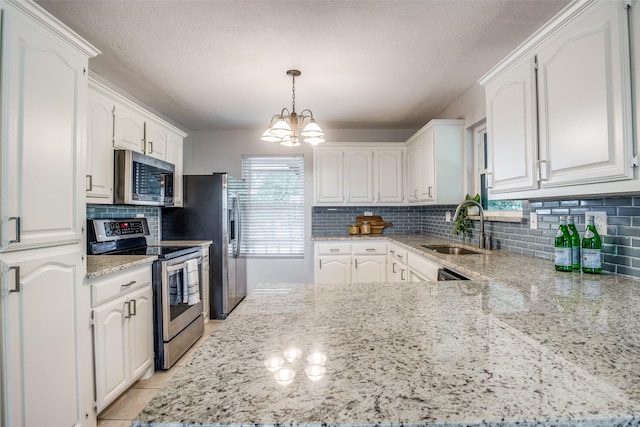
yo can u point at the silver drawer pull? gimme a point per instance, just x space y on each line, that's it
17 220
371 250
126 285
16 271
334 250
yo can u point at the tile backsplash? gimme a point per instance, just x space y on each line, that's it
621 245
125 211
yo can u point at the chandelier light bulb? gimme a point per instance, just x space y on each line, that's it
314 140
269 137
281 128
312 129
290 141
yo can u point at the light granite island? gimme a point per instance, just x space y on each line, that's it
553 349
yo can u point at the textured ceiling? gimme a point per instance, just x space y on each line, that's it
365 64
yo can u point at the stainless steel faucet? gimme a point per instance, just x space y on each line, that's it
483 237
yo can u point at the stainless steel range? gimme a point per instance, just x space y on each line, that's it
177 283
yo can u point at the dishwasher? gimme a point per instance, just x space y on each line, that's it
446 274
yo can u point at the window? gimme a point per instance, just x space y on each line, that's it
482 172
273 212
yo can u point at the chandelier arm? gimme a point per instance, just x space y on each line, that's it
282 113
303 116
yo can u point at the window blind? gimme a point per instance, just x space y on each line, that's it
273 208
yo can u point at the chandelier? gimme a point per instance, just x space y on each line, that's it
285 127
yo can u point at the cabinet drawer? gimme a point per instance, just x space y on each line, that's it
333 248
373 248
398 254
424 267
116 284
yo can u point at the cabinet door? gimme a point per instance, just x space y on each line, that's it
155 140
413 172
584 99
333 269
99 156
329 168
511 126
43 358
44 87
358 173
388 173
426 149
140 332
128 128
369 269
110 351
175 155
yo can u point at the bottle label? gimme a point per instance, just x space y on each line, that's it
563 257
575 254
591 258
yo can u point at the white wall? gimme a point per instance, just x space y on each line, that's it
221 151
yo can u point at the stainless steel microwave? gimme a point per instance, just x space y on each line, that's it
142 180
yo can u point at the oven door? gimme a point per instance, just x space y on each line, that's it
177 313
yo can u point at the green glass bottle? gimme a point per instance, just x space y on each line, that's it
575 243
591 249
562 251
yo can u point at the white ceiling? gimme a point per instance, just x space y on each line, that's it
213 65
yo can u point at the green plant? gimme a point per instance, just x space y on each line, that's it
462 226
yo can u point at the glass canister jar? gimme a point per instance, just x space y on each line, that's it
354 229
365 228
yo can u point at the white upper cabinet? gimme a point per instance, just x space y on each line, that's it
511 124
328 169
572 80
99 158
41 157
155 140
436 164
388 175
129 128
584 95
358 174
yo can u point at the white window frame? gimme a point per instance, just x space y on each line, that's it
273 230
479 132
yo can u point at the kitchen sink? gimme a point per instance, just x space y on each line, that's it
451 250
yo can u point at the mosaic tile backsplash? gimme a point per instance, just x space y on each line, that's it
621 245
124 212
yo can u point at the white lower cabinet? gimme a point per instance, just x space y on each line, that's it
123 331
47 339
342 262
397 269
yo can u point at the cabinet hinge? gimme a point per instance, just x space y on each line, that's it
634 162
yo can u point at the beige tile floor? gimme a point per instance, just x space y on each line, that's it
122 411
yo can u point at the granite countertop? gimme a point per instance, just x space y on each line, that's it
101 265
521 344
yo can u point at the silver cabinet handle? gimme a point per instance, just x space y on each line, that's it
90 177
334 250
16 272
430 188
134 311
143 145
402 274
356 262
127 304
320 264
370 250
393 268
17 220
151 147
489 179
126 285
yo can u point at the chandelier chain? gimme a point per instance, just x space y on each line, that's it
293 93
